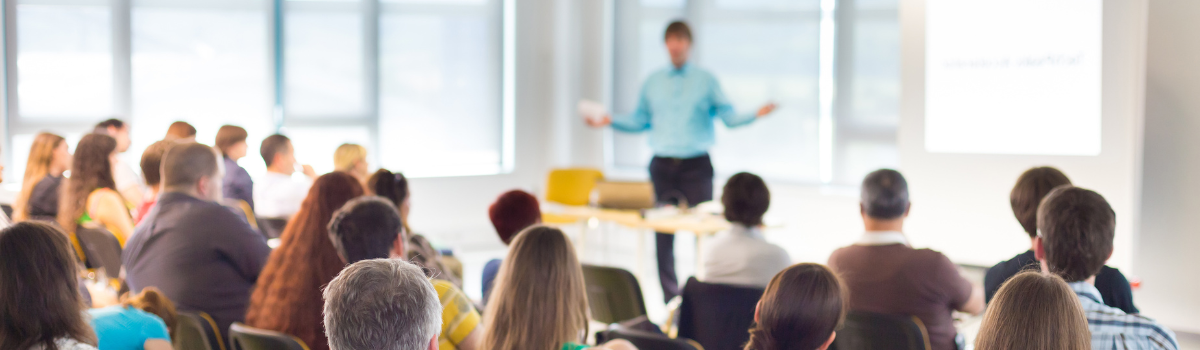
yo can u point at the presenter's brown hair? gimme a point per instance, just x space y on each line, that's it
678 29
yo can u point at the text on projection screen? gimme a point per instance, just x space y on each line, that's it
1013 77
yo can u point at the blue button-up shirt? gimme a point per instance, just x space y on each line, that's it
677 106
1113 329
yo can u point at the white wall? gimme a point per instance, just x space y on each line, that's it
960 201
1169 235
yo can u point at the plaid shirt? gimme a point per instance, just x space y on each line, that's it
1113 329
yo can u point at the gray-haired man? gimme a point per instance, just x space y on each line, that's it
384 304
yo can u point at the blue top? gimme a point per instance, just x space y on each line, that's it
489 277
238 184
1113 329
677 106
126 328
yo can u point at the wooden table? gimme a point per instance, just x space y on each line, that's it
700 224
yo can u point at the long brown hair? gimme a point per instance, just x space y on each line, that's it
800 309
1035 311
153 301
41 157
90 170
288 296
539 301
39 289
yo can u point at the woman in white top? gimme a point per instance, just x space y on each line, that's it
741 255
40 304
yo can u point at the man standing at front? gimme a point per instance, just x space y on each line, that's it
677 106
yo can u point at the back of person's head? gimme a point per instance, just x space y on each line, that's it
1034 311
152 161
1077 228
348 155
40 161
180 130
1031 187
272 146
39 288
102 127
885 195
393 186
183 165
153 301
381 304
228 136
512 212
539 300
678 29
91 169
800 309
746 199
365 228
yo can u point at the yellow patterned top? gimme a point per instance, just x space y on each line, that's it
459 317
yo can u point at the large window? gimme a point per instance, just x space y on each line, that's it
396 76
832 66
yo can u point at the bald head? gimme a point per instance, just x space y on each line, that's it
192 168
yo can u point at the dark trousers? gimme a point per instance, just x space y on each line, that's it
677 181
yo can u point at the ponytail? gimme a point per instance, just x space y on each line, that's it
153 301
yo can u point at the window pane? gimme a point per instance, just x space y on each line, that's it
440 91
64 61
875 99
206 64
789 5
324 63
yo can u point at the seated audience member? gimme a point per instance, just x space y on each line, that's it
278 195
287 297
540 300
231 142
382 304
394 187
181 131
151 170
1034 311
90 198
1076 229
370 228
801 309
142 321
197 252
352 159
1031 187
128 183
741 255
886 275
512 212
40 308
49 158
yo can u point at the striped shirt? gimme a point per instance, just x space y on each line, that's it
1113 329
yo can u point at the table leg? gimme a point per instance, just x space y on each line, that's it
699 254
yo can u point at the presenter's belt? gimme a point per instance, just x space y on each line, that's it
681 160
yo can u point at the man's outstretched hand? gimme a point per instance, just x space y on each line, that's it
766 109
599 123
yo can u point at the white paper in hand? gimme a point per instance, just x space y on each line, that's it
592 110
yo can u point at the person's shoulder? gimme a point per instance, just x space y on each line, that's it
1106 320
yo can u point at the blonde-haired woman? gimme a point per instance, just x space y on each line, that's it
48 159
352 159
1036 311
539 301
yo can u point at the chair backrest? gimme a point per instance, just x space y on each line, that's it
651 341
101 249
572 186
614 294
242 209
718 316
272 227
867 330
190 333
243 337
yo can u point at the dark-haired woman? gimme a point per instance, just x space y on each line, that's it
800 310
394 187
40 308
90 198
288 294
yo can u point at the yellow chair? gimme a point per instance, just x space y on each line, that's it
572 186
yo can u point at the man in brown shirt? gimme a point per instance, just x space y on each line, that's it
886 275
